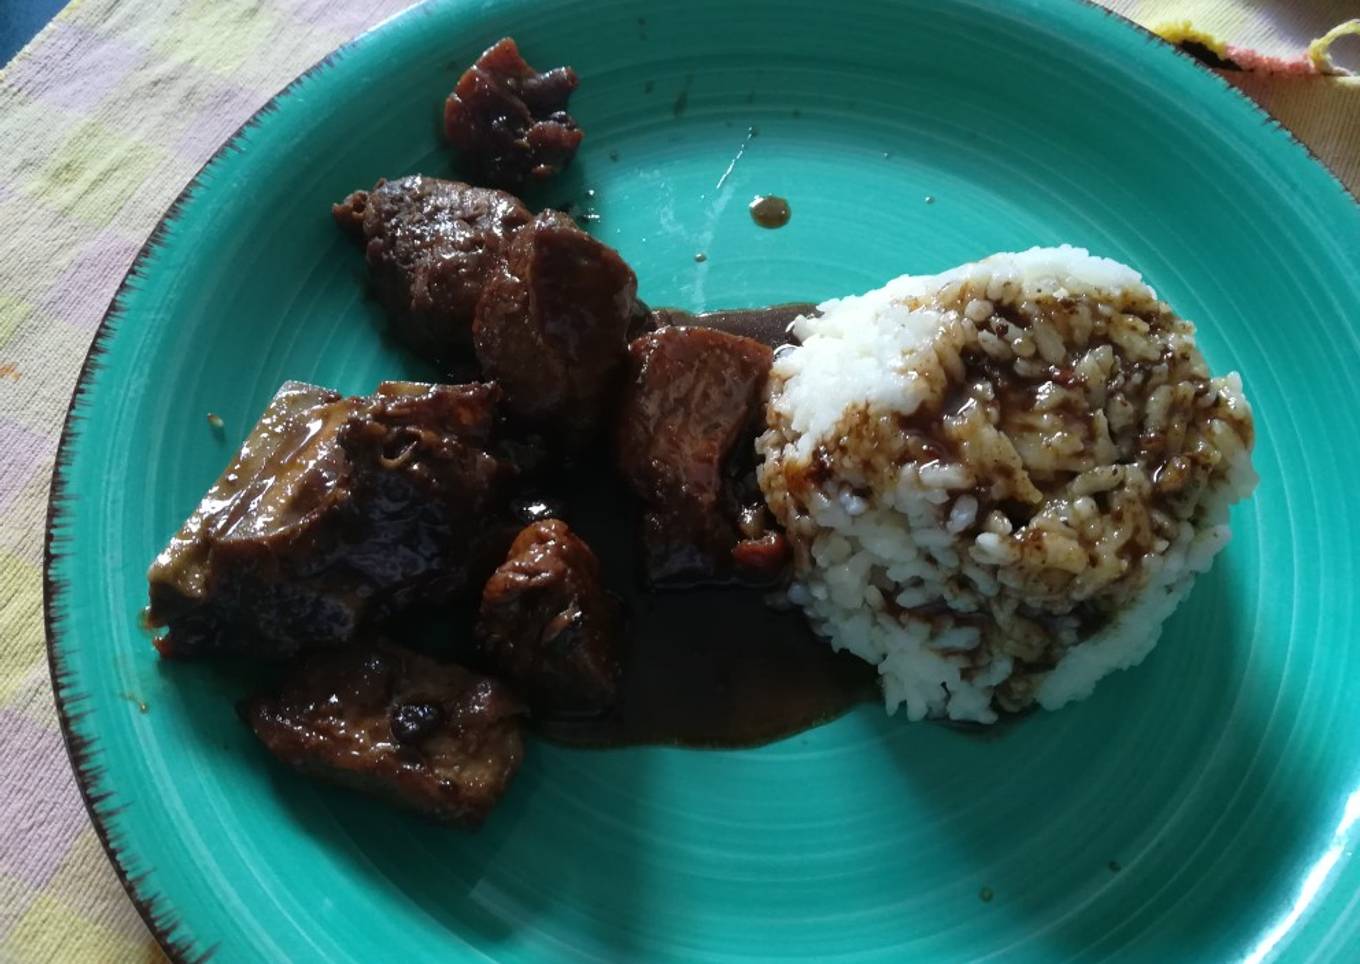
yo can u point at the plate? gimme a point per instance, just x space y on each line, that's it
1201 807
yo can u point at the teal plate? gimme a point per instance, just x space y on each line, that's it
1201 807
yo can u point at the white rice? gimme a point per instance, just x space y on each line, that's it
1000 481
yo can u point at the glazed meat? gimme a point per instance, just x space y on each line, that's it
430 246
335 510
548 626
552 325
769 325
510 122
692 405
431 737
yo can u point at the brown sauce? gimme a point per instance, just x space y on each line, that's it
718 668
708 667
770 211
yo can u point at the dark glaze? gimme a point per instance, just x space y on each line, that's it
707 667
770 210
769 325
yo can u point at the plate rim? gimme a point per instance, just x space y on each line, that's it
155 910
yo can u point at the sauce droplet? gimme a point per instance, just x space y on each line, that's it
770 211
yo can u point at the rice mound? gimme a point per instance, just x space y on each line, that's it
999 481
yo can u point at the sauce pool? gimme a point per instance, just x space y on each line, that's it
713 667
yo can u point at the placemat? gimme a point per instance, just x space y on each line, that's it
103 119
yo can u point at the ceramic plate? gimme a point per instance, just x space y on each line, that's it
1200 807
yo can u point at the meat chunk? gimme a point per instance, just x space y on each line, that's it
430 246
431 737
552 325
548 626
692 405
509 121
334 511
771 325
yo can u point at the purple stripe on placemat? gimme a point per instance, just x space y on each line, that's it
42 813
21 453
81 294
215 119
74 67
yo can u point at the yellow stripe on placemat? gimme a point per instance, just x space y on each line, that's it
51 931
20 621
12 311
94 172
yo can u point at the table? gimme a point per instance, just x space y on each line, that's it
20 20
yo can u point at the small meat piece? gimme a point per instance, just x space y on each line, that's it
427 736
548 626
552 326
692 405
511 122
763 558
335 510
430 246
